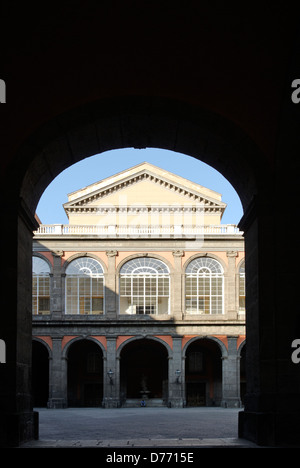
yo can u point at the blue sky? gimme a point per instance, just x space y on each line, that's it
100 166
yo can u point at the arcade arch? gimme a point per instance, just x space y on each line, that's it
40 373
124 123
84 373
144 373
203 372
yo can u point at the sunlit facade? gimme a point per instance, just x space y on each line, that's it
140 298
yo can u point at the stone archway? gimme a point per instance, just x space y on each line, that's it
40 374
162 123
144 373
203 373
85 374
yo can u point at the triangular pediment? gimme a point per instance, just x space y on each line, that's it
144 185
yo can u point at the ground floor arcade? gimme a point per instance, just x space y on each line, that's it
132 370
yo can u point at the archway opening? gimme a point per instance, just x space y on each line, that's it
98 167
40 374
85 374
144 373
203 373
129 122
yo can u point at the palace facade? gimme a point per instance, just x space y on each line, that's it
140 298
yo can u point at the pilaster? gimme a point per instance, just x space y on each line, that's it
111 390
230 285
111 302
176 378
56 287
231 376
58 376
176 285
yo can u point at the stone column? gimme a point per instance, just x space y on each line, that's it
230 286
57 376
111 384
231 376
56 296
272 403
18 421
176 285
176 377
111 303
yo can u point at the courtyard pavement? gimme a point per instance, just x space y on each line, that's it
138 427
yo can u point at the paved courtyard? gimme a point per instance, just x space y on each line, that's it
132 423
138 427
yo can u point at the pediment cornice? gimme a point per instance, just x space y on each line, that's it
89 202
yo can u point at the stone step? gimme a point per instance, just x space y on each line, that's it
150 402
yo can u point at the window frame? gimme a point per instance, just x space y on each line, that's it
80 287
40 282
242 286
145 281
205 276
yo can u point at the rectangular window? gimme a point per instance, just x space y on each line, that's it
44 305
97 305
242 297
40 295
147 309
84 295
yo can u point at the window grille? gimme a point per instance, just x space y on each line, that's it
40 286
144 287
204 284
242 289
84 287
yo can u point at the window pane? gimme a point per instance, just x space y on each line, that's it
84 286
44 305
97 305
41 292
204 287
144 280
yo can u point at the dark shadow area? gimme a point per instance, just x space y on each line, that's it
40 374
203 374
85 374
144 371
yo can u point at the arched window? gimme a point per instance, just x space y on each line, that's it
242 289
144 287
84 287
40 286
204 286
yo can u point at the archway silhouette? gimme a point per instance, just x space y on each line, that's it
144 372
203 371
141 122
40 374
85 374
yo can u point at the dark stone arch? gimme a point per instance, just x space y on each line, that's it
203 372
137 122
40 373
85 373
147 122
144 372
